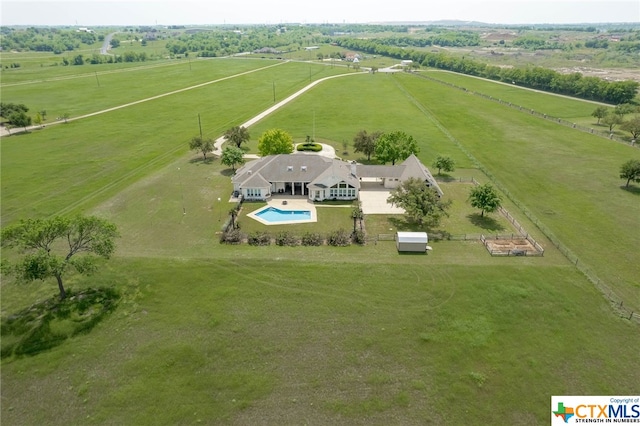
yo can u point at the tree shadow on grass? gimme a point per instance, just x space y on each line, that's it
632 189
402 223
485 222
228 172
201 160
445 178
48 324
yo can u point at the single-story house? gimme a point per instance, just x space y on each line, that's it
319 178
412 241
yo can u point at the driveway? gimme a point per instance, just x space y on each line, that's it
373 197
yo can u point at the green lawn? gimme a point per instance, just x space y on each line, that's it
567 179
92 159
569 109
249 340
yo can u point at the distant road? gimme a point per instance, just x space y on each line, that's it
104 50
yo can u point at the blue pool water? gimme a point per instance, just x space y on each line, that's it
273 214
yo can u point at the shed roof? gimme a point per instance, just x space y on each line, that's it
413 237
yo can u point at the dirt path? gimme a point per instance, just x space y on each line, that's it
5 132
220 140
218 143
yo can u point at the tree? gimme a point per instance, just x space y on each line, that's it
7 109
37 120
65 116
232 155
357 214
421 202
365 143
203 145
623 109
275 141
20 119
630 171
600 112
611 120
237 135
394 146
485 198
52 246
444 163
632 126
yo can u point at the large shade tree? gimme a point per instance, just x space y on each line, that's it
600 112
421 202
51 247
395 146
366 143
630 171
444 163
237 135
275 141
202 145
611 120
632 126
485 197
232 155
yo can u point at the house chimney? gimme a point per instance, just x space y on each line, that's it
353 169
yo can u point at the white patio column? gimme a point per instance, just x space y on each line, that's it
293 188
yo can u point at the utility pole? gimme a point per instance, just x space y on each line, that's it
200 125
97 79
274 92
184 210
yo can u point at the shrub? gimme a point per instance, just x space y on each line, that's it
312 239
309 146
339 238
286 239
259 238
232 236
358 237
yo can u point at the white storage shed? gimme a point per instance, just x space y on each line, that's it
412 241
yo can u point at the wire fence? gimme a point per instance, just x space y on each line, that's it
603 287
602 133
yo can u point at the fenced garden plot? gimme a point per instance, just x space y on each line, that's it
511 245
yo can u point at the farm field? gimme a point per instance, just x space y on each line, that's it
217 334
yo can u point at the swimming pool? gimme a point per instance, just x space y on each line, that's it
275 215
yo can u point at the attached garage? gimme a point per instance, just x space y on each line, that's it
412 241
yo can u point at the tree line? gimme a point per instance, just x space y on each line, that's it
574 84
46 39
105 59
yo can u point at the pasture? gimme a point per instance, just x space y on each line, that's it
209 333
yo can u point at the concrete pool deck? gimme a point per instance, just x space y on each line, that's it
284 203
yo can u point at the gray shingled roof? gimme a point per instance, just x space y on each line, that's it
292 168
323 172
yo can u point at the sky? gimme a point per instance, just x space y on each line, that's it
198 12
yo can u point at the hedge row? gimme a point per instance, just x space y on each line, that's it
309 146
338 238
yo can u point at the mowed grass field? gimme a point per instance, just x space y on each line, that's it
207 333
